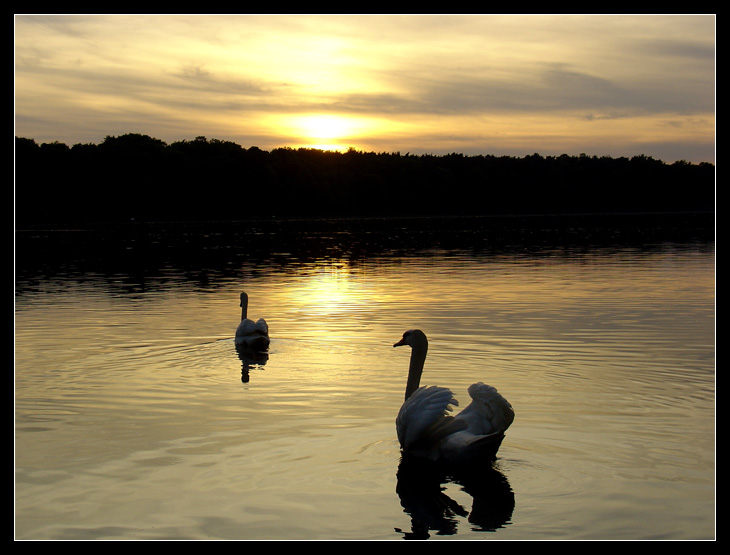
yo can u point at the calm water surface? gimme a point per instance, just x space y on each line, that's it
135 418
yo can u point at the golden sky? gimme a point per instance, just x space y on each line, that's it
605 85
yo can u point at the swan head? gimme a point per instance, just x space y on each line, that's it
411 338
244 299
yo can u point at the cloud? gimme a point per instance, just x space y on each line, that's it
232 77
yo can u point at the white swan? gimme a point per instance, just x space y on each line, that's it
424 427
251 335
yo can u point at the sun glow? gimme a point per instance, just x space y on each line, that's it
325 132
325 127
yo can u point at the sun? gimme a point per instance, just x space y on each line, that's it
325 127
327 131
323 131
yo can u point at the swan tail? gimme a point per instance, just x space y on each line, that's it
252 343
465 447
486 447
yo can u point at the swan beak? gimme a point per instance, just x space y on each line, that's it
400 343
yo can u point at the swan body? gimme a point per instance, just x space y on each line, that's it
249 334
425 426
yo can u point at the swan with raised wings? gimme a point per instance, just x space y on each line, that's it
250 335
427 430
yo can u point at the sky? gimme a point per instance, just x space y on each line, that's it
505 85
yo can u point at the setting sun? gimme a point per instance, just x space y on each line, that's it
324 127
324 132
332 132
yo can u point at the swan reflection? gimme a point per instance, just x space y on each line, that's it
421 488
250 359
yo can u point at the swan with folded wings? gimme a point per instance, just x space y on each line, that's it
250 335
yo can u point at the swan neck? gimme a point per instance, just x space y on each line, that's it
415 368
244 306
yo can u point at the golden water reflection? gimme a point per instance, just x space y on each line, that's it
328 287
608 361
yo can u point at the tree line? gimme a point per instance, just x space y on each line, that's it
137 177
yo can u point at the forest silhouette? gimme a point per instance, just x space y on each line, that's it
137 177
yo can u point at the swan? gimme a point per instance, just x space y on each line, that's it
426 430
251 335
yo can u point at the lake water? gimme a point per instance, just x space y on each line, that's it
135 417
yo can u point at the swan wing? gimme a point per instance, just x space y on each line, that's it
246 327
249 327
252 335
488 413
424 421
262 327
